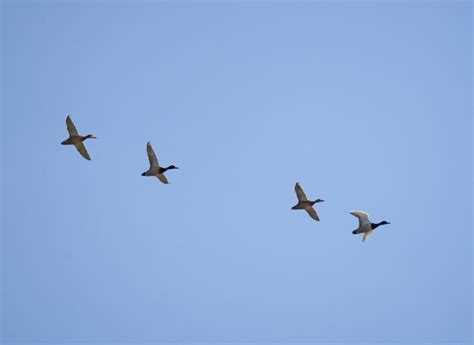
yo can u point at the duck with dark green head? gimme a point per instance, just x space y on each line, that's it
155 168
366 227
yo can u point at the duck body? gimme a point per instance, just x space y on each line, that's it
159 171
305 204
301 205
366 227
76 139
155 168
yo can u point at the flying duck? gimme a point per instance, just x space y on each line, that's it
76 139
305 204
155 169
366 227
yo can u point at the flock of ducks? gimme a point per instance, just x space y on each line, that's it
366 227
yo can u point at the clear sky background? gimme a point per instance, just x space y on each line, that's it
366 104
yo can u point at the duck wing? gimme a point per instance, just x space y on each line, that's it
299 193
152 157
82 150
366 235
362 216
312 212
162 178
71 128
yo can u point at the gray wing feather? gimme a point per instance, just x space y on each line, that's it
70 127
152 156
366 235
362 216
83 151
162 178
299 193
312 213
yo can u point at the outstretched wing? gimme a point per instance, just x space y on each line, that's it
162 178
363 217
82 150
299 193
366 235
312 213
151 156
71 128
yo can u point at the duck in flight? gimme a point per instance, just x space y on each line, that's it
366 227
305 204
76 139
155 169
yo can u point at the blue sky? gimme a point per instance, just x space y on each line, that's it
366 104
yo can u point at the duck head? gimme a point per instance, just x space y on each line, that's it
376 225
90 136
171 167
